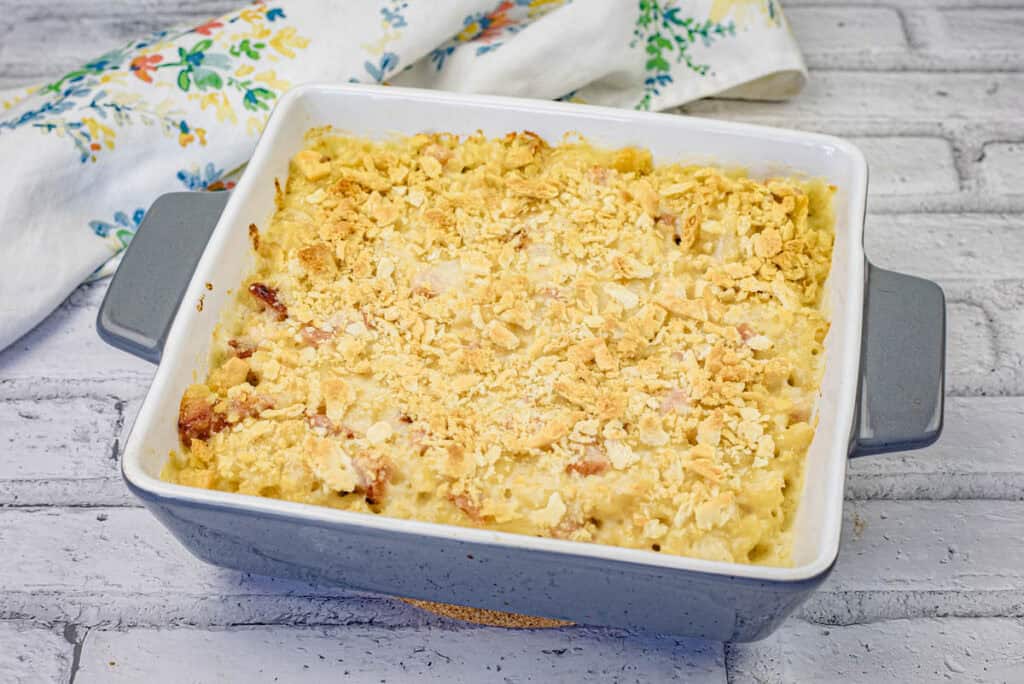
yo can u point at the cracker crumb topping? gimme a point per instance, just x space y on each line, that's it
551 340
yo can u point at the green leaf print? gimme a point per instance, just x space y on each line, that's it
250 50
667 36
205 78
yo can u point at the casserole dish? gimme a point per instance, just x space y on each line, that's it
882 389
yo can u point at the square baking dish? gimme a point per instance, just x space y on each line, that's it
882 388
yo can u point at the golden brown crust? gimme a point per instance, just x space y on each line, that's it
551 340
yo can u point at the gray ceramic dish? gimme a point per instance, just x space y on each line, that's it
882 391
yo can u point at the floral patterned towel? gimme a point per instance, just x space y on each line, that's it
86 154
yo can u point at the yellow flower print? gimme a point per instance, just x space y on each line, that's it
221 106
377 48
99 133
254 125
165 108
215 74
538 7
471 31
744 11
286 39
257 32
253 15
114 77
186 137
271 79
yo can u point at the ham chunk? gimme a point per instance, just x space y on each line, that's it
196 417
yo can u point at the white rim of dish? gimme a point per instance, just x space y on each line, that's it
845 409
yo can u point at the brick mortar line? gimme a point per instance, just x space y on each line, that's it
445 624
815 611
913 45
75 635
996 141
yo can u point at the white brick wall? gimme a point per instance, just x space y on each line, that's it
985 650
1002 167
910 166
432 654
980 456
930 582
908 36
65 343
948 246
879 98
30 654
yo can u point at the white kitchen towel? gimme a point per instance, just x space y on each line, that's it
84 155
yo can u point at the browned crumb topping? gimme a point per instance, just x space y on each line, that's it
558 341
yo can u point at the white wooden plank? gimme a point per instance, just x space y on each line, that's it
947 246
884 97
985 337
60 449
980 455
977 27
972 350
962 650
370 653
29 654
968 37
834 37
82 38
120 566
909 165
50 467
66 344
845 36
925 559
67 491
1001 168
57 437
87 28
26 10
900 559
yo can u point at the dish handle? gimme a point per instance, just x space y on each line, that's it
903 364
144 294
